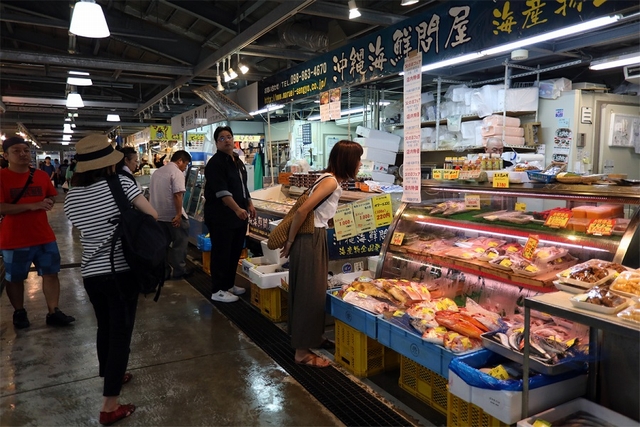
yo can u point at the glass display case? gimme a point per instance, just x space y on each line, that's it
193 202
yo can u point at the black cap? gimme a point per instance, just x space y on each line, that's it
12 141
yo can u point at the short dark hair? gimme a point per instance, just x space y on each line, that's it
181 155
344 160
219 130
129 152
85 179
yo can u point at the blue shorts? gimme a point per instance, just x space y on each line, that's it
17 262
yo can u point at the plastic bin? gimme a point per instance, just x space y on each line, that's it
206 262
461 413
361 355
272 302
265 276
580 404
424 384
204 243
353 316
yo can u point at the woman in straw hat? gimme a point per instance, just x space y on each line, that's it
89 205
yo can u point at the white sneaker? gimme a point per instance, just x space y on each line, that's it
223 296
237 290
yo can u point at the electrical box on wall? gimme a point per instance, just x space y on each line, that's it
581 141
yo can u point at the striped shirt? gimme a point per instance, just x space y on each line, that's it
90 209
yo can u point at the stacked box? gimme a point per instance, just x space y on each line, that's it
361 355
424 384
206 262
272 302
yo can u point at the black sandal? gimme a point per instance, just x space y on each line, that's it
327 344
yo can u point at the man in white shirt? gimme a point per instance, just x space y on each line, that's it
166 190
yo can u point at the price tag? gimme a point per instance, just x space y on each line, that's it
397 238
382 212
398 313
363 215
530 247
522 207
344 223
541 423
451 174
501 180
472 201
437 173
558 219
601 227
499 372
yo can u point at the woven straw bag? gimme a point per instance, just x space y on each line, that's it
279 236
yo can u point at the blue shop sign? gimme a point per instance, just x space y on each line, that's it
449 30
364 244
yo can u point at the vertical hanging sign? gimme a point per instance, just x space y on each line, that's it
411 167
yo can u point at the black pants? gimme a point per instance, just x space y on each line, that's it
226 247
115 307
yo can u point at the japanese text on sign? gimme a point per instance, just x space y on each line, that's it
363 215
558 219
396 239
601 227
472 201
382 210
344 223
501 180
530 247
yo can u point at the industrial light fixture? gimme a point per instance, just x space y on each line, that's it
616 61
79 81
113 117
243 68
220 88
232 73
88 20
66 137
224 71
74 100
353 10
268 108
408 2
79 73
66 128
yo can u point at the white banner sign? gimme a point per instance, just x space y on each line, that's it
195 118
411 166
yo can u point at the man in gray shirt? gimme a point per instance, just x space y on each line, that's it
166 190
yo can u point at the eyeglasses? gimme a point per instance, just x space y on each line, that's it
223 138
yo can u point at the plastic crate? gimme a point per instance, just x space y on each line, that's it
424 384
540 177
272 302
206 262
461 413
360 354
353 316
204 243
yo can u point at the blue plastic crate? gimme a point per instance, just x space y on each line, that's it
541 177
353 316
397 334
204 243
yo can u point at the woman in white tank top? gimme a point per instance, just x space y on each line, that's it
309 260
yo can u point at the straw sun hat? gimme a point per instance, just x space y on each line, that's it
95 152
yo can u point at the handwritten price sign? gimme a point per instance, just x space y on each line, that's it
437 173
530 247
521 207
601 227
501 180
344 223
363 215
451 174
382 212
397 239
558 219
472 201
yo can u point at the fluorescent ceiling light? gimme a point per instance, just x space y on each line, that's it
113 118
88 20
408 2
65 142
353 10
74 100
615 61
79 81
79 73
453 61
67 128
66 137
267 109
578 28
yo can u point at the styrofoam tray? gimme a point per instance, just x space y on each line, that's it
580 404
564 273
578 301
561 286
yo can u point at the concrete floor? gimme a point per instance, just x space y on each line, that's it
191 366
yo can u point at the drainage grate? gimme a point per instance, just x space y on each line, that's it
347 400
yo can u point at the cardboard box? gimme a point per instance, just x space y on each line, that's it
377 155
532 133
383 177
580 404
371 166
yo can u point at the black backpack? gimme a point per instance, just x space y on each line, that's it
143 242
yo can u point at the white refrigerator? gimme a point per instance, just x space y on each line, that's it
594 132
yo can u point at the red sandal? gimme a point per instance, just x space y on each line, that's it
123 411
128 376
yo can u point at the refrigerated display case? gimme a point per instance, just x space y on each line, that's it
193 202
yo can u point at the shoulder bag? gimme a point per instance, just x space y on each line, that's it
279 236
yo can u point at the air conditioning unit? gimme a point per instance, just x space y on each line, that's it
632 73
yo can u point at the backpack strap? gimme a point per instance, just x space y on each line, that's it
118 193
121 201
314 186
26 185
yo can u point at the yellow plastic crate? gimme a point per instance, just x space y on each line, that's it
424 384
361 355
462 414
273 302
206 262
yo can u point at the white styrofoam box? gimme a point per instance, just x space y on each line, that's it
383 177
426 97
507 405
468 129
491 130
372 263
271 193
249 263
498 120
377 134
580 404
274 224
519 99
266 277
371 166
271 256
508 140
380 156
348 278
383 143
458 387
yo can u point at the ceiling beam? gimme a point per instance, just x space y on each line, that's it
340 11
25 100
275 52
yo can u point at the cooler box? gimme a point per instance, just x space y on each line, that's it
583 405
271 256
